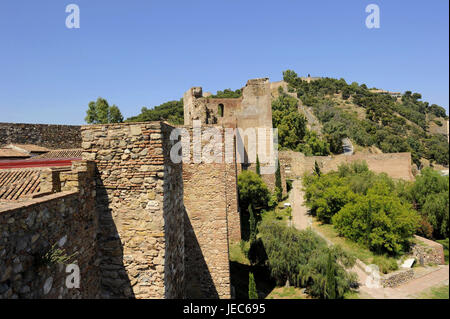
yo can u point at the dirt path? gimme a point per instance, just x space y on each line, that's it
411 289
300 218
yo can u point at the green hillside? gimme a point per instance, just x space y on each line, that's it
344 110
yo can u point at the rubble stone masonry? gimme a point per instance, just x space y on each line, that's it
212 221
31 229
140 206
48 135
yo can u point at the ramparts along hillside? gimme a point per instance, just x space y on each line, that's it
313 115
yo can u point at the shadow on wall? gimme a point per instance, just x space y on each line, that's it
114 278
199 283
239 279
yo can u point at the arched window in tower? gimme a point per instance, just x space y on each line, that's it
220 110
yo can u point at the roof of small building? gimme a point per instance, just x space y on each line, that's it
64 153
18 183
8 153
29 148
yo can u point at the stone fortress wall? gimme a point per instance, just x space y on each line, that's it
253 110
47 135
396 165
165 226
30 229
212 219
139 206
142 226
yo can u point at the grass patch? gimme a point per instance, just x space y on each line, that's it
444 243
286 293
236 254
435 293
278 214
385 263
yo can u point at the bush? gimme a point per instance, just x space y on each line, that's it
380 222
385 264
252 191
429 195
302 257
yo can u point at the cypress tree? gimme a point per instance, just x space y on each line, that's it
252 222
252 293
331 278
258 166
317 168
278 185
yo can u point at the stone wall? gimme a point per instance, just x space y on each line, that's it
212 221
48 135
427 252
141 216
30 229
396 165
397 278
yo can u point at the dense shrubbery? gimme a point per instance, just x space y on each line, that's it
363 206
380 222
252 191
228 93
429 195
385 125
292 131
304 259
171 112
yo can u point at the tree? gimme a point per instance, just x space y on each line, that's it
252 191
383 223
252 292
91 113
252 221
290 76
429 195
436 211
316 168
115 116
171 111
102 109
290 123
331 278
100 112
278 184
300 258
258 166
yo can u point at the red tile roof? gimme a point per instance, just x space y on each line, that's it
18 183
65 153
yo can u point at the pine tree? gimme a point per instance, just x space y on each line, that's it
115 116
258 166
252 293
278 185
331 278
317 168
252 222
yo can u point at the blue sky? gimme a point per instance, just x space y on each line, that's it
142 53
